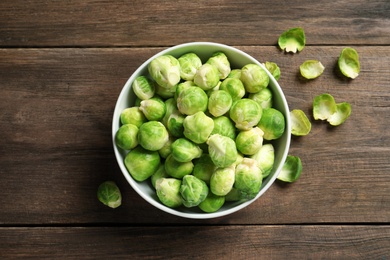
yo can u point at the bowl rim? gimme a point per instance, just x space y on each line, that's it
134 184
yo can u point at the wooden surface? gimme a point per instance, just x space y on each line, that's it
62 67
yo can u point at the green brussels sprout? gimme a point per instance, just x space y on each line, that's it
171 107
160 173
273 68
291 169
222 180
152 135
167 148
219 103
175 124
246 113
204 168
348 63
249 142
265 158
311 69
198 127
292 40
165 93
109 194
192 100
126 137
234 87
272 123
212 203
189 64
300 124
132 115
182 86
142 163
263 98
143 87
235 73
248 178
221 62
224 126
177 169
254 78
168 192
165 70
154 108
222 150
207 77
325 107
193 191
183 150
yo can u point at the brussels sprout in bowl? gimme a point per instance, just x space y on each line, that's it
127 98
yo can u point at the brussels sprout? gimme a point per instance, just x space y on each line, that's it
192 100
291 169
221 62
142 163
159 174
272 123
212 203
224 126
348 63
324 106
207 77
222 150
292 40
152 135
219 103
198 127
165 93
175 124
246 113
109 194
193 191
311 69
171 106
235 73
343 111
248 178
254 78
263 98
177 169
222 180
183 150
300 124
168 192
273 68
126 137
265 158
204 168
249 142
165 70
167 148
189 64
154 108
143 87
234 87
132 115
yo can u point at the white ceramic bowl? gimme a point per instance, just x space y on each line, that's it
237 59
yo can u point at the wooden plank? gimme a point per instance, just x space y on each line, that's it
55 140
156 23
197 242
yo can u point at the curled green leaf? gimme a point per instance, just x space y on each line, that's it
300 124
311 69
292 40
349 62
291 170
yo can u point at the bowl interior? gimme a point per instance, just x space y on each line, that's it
237 59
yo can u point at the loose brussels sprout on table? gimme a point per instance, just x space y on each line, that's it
109 194
197 133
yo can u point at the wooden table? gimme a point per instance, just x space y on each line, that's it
62 67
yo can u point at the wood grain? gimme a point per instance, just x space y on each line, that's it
197 242
55 140
167 23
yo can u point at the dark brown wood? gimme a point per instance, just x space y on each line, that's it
198 242
56 140
156 23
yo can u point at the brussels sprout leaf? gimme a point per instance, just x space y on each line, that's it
349 62
300 124
311 69
291 169
292 40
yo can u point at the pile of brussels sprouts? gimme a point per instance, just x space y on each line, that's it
200 132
